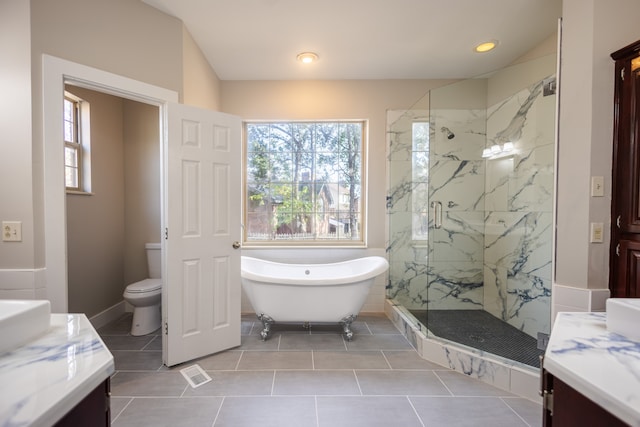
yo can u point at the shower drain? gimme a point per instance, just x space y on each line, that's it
476 338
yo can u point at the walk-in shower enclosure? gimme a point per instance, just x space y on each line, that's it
470 206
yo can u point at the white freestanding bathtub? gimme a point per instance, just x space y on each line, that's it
319 293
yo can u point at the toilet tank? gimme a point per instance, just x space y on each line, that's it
154 260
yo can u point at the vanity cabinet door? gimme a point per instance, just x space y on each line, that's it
565 407
574 409
625 205
94 410
629 272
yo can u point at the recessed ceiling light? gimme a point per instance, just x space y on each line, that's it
486 46
307 57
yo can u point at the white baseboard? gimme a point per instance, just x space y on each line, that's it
109 315
27 279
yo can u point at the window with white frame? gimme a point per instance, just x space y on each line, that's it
420 179
304 183
76 144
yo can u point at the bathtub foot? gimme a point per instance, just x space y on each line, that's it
346 326
266 324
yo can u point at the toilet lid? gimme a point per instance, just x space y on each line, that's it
146 285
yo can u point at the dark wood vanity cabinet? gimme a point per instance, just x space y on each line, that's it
566 407
94 410
624 278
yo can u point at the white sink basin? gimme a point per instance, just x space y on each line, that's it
623 317
22 321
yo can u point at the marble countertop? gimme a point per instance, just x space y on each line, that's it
603 366
43 380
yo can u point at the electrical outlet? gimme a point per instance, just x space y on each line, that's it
12 231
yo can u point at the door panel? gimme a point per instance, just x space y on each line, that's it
221 199
628 284
624 278
201 296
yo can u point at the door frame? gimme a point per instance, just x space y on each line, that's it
56 73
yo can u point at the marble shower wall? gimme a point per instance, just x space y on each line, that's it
439 268
518 211
493 249
456 170
407 249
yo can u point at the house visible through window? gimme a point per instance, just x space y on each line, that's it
304 183
76 140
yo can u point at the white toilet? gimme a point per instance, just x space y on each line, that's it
145 295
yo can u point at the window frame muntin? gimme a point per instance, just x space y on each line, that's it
324 243
415 214
83 136
76 144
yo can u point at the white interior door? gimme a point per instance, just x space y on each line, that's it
202 291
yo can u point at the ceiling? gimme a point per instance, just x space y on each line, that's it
362 39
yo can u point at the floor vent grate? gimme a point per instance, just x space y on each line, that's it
195 376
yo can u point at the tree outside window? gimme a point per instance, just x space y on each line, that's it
304 182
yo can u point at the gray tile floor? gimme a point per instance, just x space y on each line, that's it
304 378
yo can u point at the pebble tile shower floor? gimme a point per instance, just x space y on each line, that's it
479 329
302 378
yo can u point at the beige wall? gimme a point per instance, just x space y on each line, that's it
124 37
129 38
320 100
95 222
547 47
201 87
592 30
142 186
345 99
107 230
518 76
15 143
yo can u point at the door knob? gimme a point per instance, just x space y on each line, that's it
236 245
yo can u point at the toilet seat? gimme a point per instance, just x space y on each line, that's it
144 286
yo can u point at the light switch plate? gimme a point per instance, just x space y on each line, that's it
597 186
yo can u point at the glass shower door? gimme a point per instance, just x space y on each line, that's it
455 261
470 210
408 208
491 166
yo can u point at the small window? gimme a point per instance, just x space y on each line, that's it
304 183
76 144
420 191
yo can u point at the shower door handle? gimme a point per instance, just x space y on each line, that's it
437 215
